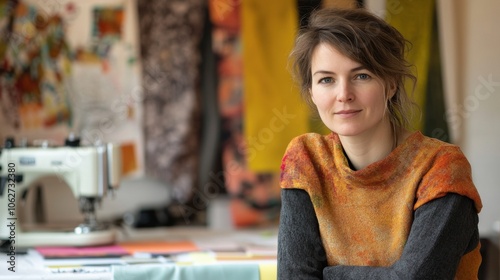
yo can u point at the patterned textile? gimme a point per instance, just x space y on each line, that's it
375 205
170 32
254 195
34 68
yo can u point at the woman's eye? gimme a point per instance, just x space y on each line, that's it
363 76
325 80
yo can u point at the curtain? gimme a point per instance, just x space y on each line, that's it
418 23
254 194
170 33
274 112
435 123
414 20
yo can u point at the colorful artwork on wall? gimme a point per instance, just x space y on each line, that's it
108 23
72 67
35 67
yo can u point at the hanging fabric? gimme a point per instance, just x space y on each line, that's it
414 20
34 72
170 32
342 4
254 195
273 110
435 123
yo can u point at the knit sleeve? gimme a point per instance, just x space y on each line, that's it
444 230
300 249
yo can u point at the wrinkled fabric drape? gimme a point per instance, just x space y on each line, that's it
414 20
170 32
418 23
435 123
342 4
254 195
274 112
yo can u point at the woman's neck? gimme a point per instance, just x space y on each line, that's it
371 146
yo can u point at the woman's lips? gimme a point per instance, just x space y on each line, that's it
347 113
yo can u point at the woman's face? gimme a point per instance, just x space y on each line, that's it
351 100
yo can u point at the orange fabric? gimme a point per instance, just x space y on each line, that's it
468 268
375 205
158 246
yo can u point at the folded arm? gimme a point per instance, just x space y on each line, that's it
300 250
443 230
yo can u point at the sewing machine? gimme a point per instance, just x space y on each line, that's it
89 171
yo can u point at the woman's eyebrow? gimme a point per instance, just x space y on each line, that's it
361 67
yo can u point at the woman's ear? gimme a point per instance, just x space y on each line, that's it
393 87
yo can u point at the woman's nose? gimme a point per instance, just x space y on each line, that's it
345 93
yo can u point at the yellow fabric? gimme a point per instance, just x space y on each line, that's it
273 110
414 20
342 4
268 271
468 268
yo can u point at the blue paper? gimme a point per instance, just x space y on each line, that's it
236 271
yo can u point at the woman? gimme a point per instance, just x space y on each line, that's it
371 200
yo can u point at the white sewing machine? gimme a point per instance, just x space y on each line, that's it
89 171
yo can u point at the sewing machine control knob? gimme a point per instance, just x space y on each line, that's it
24 142
9 143
72 141
42 143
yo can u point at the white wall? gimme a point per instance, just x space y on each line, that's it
481 84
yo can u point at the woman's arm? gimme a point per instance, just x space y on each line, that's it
300 250
442 232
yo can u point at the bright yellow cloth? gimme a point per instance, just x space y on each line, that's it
268 271
414 20
341 4
273 110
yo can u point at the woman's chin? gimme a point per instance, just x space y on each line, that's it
347 132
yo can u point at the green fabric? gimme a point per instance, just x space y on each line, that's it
240 271
414 20
435 124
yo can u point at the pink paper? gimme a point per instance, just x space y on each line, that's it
68 252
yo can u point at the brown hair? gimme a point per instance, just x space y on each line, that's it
364 38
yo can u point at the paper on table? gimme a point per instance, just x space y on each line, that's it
242 271
82 252
158 247
268 271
